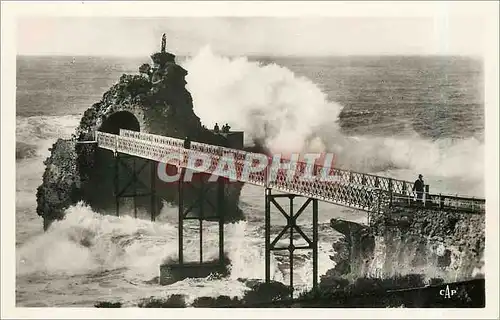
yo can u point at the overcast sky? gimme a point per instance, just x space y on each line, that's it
246 36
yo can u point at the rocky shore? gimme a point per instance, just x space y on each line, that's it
396 292
448 245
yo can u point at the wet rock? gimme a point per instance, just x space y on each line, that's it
459 237
60 182
342 248
347 228
332 280
219 302
261 292
171 271
444 260
108 304
355 250
174 301
373 293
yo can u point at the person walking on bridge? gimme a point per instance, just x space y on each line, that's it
418 187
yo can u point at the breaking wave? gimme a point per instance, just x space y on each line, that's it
25 150
290 113
87 243
36 134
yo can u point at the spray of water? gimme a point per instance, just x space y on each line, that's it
290 113
268 102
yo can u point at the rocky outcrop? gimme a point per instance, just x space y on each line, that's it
153 101
436 244
408 291
447 242
61 186
353 250
258 294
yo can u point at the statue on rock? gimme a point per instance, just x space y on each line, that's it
164 43
162 58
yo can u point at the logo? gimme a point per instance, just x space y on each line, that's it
447 293
277 168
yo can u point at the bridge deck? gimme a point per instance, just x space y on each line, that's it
352 189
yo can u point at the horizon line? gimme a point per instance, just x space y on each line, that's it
262 55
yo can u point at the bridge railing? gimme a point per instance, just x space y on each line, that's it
106 140
442 201
342 175
174 142
150 149
157 148
387 184
350 188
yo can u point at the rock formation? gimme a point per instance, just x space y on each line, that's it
434 243
354 249
153 101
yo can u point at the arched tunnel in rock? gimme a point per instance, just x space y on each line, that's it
106 177
102 183
120 120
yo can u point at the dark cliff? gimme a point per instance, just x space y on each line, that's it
153 101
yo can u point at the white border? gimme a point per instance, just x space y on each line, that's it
488 11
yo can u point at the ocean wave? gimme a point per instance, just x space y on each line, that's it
43 127
25 150
86 241
35 134
290 113
269 102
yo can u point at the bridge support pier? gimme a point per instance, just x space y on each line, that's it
291 226
129 164
172 272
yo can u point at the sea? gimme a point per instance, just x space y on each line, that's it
396 116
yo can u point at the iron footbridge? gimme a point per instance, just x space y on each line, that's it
360 191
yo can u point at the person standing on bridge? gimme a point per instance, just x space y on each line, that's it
418 187
187 143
